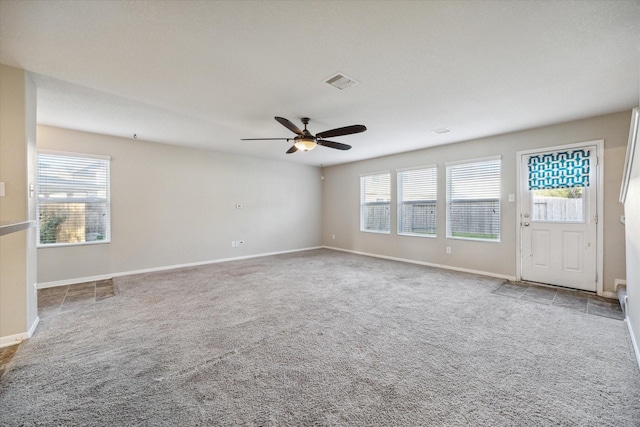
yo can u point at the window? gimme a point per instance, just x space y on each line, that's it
375 202
558 205
73 199
556 184
417 195
473 200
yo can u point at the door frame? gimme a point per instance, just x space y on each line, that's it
599 144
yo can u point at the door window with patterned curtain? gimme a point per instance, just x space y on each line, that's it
557 181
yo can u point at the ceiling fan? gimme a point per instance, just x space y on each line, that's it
305 141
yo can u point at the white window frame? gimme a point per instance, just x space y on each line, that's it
363 204
106 198
448 167
401 200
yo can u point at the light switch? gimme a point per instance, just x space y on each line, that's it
512 197
1 189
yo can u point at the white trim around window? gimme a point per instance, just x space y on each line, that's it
417 199
474 199
73 199
375 202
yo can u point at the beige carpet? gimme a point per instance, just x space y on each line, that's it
321 338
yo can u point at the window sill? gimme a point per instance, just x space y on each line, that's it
429 236
375 232
474 239
66 245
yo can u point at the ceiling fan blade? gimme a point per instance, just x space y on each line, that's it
347 130
293 149
286 123
266 139
331 144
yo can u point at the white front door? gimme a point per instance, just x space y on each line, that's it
558 219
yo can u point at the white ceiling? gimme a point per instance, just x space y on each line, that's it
207 73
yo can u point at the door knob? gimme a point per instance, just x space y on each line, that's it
526 224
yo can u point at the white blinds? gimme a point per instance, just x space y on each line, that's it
417 195
474 180
418 184
473 199
375 201
376 188
73 199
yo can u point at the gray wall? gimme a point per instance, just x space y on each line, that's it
173 206
341 198
18 303
632 215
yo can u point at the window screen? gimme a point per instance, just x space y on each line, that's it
473 200
417 195
73 199
375 202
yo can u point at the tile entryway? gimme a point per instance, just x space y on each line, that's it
59 300
584 302
6 354
63 299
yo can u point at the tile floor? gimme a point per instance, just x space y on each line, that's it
6 354
584 302
62 299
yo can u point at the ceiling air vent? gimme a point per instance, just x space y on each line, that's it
341 81
440 131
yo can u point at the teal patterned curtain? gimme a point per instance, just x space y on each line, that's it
564 169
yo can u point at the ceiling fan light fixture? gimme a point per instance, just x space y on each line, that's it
305 144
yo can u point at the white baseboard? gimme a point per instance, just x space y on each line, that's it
164 268
12 339
614 294
634 343
18 338
32 329
66 282
428 264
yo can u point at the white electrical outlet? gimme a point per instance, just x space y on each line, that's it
448 249
233 244
333 236
2 189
